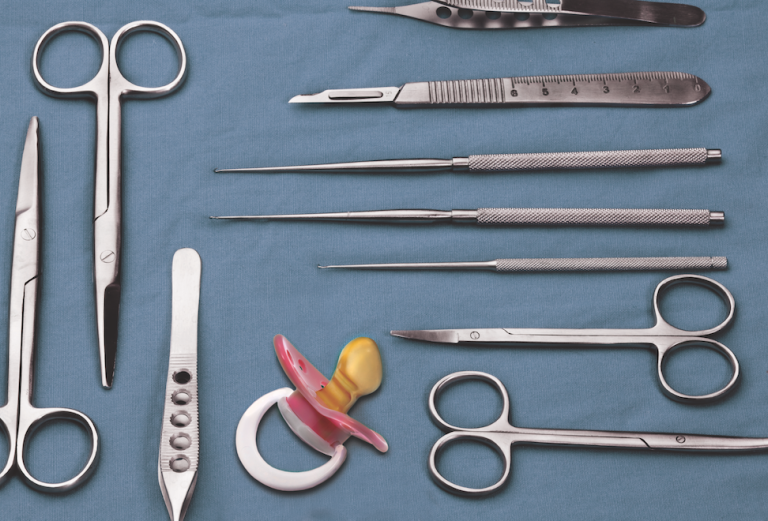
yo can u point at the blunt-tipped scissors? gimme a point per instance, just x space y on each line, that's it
18 417
107 89
663 337
502 436
516 14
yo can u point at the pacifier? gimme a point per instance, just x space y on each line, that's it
316 411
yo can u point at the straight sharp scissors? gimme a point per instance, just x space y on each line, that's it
18 417
107 89
502 436
664 337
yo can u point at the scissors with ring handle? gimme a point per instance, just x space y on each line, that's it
664 337
502 436
107 89
18 417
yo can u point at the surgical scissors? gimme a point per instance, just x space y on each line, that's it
18 417
502 436
107 89
664 337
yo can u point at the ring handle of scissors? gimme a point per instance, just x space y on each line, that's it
8 418
665 328
135 91
663 357
91 89
493 435
32 419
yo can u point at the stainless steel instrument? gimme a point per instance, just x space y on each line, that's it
501 435
663 337
180 439
550 265
633 89
515 217
108 88
18 417
515 14
510 162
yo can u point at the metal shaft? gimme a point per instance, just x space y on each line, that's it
510 162
550 265
515 217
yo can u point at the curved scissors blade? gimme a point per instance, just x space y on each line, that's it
24 269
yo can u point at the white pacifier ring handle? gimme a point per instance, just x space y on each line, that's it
245 441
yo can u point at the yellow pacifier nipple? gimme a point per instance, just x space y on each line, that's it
358 373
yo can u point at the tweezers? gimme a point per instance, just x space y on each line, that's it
514 14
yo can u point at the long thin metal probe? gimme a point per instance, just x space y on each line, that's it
509 162
515 217
557 264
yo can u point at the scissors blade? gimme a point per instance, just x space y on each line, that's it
26 240
24 269
441 336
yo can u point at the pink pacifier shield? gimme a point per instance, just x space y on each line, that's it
308 381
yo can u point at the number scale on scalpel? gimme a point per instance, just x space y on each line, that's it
632 89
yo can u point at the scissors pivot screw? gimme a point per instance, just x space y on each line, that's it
107 256
680 439
474 335
28 234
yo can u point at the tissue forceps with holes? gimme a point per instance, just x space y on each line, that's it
516 14
502 436
18 417
663 337
107 89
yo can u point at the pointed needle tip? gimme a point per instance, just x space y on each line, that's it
390 10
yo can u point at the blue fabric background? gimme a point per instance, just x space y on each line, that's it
246 59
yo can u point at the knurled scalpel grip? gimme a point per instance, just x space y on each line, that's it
510 162
515 217
557 264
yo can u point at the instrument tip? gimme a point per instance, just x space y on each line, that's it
390 10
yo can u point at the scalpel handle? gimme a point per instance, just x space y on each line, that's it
631 89
180 439
612 264
598 217
600 159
